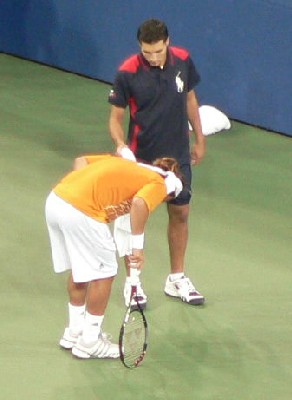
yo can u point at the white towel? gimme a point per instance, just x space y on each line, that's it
127 154
122 225
122 235
212 120
172 182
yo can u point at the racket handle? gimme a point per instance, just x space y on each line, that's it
134 275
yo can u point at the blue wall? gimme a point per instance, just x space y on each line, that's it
242 48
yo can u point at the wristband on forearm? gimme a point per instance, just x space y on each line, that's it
137 241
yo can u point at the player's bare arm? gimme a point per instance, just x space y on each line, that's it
79 163
116 127
139 214
199 147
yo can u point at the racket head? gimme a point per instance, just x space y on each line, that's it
133 338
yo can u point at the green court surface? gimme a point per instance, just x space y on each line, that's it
236 347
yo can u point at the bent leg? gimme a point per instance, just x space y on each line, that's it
177 235
98 294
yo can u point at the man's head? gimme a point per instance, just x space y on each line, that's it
152 31
173 178
167 164
153 38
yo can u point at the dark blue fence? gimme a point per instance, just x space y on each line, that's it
242 48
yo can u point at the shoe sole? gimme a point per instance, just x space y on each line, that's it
82 355
66 345
194 302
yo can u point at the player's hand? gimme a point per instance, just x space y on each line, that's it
136 259
198 151
124 152
119 149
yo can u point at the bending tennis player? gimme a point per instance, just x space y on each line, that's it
78 210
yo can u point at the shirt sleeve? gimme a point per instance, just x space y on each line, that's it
194 77
97 157
119 94
153 194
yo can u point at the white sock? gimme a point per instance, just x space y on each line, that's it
174 277
76 318
92 327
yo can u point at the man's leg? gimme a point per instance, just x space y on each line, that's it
86 320
177 235
76 292
92 343
177 284
98 294
76 310
97 297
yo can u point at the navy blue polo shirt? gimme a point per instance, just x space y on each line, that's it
157 99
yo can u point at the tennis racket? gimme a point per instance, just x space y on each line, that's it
134 330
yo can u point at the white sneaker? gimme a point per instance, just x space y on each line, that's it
103 348
69 339
141 296
185 290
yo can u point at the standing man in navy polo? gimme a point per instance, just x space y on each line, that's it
158 87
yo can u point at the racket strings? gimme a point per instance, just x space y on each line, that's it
134 339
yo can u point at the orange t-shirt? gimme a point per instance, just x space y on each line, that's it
104 189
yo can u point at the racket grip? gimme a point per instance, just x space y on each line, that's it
134 275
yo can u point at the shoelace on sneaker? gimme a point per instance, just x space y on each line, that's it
107 337
186 286
104 344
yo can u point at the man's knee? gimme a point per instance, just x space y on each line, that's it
178 214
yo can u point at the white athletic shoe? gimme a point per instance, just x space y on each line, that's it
185 290
69 339
103 348
141 296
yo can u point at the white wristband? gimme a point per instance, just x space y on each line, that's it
137 241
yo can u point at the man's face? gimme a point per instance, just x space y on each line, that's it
155 53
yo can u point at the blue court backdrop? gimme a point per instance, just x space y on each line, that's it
242 48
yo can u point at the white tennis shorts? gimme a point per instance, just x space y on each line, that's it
79 242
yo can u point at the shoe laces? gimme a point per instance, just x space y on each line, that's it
104 344
106 337
184 284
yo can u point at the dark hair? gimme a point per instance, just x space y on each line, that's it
169 164
152 31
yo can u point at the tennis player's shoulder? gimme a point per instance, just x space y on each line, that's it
131 64
180 52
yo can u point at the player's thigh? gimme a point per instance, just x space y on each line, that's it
91 248
54 209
